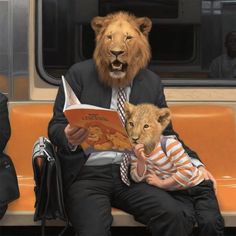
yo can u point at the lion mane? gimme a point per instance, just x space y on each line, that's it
122 47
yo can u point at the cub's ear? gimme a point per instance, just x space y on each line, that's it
164 116
128 108
98 23
144 25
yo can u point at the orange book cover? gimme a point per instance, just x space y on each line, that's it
106 131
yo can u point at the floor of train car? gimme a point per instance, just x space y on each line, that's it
54 231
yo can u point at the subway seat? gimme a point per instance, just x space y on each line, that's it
207 129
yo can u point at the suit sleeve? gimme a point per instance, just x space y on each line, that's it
58 122
5 129
161 102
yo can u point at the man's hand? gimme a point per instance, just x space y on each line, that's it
208 176
75 135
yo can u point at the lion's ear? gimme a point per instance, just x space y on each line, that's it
97 23
128 108
164 116
144 25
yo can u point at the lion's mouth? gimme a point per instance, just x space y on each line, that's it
118 69
118 66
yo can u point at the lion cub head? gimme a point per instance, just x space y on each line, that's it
122 47
145 124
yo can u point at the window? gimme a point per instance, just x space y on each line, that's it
186 38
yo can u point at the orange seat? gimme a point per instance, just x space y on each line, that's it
209 130
28 122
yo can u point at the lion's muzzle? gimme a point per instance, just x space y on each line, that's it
117 69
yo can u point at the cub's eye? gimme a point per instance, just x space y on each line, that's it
129 37
146 126
131 124
109 36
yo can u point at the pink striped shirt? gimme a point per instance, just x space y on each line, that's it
175 163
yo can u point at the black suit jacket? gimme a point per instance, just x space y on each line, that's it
84 80
5 130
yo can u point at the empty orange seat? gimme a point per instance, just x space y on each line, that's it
28 122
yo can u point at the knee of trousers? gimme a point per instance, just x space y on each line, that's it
175 220
211 221
169 215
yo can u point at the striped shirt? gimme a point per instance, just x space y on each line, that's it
175 163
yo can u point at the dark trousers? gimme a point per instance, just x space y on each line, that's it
98 188
3 209
202 197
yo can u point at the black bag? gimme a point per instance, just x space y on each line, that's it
49 202
9 189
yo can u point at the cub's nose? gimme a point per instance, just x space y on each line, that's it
135 139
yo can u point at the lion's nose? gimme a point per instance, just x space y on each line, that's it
117 53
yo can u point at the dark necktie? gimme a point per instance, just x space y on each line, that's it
124 166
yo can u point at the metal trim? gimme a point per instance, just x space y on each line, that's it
38 44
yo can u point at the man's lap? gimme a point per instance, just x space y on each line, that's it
146 202
100 192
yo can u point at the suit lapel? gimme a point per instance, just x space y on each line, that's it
136 90
105 98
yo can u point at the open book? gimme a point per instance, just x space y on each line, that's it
106 130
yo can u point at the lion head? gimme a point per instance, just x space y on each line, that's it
97 133
145 124
122 47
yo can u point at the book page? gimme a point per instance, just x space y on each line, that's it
70 97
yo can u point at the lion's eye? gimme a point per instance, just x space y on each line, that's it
109 36
129 37
131 124
146 126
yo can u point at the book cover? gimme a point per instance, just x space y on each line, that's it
106 131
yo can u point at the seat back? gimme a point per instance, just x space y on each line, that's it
28 122
210 131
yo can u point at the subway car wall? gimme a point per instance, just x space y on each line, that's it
42 39
185 38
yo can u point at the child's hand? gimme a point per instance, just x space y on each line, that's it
139 152
154 180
